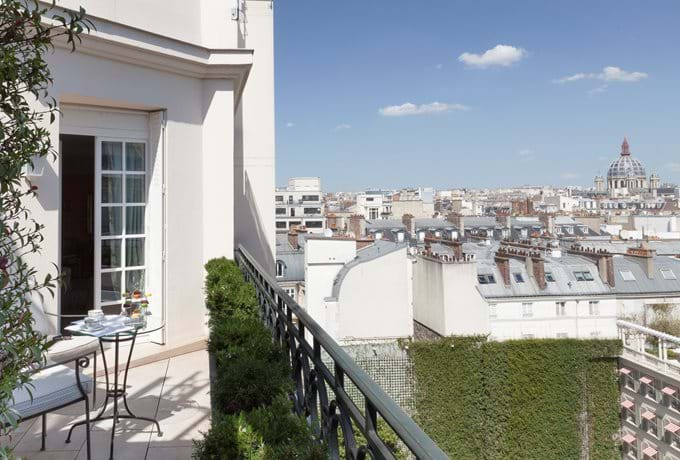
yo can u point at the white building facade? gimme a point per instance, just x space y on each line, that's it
359 295
166 155
300 204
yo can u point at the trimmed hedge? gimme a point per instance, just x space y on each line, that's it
252 412
527 399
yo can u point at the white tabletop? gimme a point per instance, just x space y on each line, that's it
116 324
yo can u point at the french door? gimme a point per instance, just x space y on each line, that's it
121 196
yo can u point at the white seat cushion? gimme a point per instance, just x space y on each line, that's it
65 351
52 388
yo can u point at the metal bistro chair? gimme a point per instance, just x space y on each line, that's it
53 387
56 385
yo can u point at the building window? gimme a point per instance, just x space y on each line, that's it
668 274
310 197
280 269
647 387
373 213
562 335
314 224
280 211
312 211
549 277
595 334
627 275
527 310
528 336
628 411
281 224
560 308
493 310
486 279
673 401
583 276
518 277
594 308
290 292
279 198
369 198
630 448
673 438
649 421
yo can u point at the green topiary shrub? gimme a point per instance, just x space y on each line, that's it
253 417
229 437
285 435
227 292
245 382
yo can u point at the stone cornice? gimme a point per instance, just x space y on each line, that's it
121 43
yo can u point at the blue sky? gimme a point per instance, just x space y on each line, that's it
507 117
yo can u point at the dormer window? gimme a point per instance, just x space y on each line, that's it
518 277
486 279
280 269
549 277
583 276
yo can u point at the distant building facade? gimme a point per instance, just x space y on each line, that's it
300 204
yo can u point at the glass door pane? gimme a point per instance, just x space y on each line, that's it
121 230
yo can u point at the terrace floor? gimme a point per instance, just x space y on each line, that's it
175 391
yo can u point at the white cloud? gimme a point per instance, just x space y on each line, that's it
422 109
608 74
569 176
618 74
525 153
342 126
600 89
290 125
439 66
499 55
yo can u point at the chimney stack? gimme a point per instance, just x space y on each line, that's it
410 223
646 255
503 264
293 238
548 221
459 221
363 242
357 225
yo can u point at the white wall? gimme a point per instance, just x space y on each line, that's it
324 258
207 22
254 141
445 298
200 160
374 301
510 323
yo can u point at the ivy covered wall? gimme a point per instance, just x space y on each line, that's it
528 399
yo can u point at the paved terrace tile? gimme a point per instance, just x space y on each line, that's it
175 391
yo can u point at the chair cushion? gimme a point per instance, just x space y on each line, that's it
63 351
52 388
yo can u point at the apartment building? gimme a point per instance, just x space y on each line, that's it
649 381
165 155
513 290
300 204
374 204
359 290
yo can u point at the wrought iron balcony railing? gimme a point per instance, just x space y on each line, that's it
321 394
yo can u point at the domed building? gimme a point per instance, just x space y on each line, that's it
626 175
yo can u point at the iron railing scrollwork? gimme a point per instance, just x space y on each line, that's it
320 393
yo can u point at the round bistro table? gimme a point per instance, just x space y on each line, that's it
116 329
